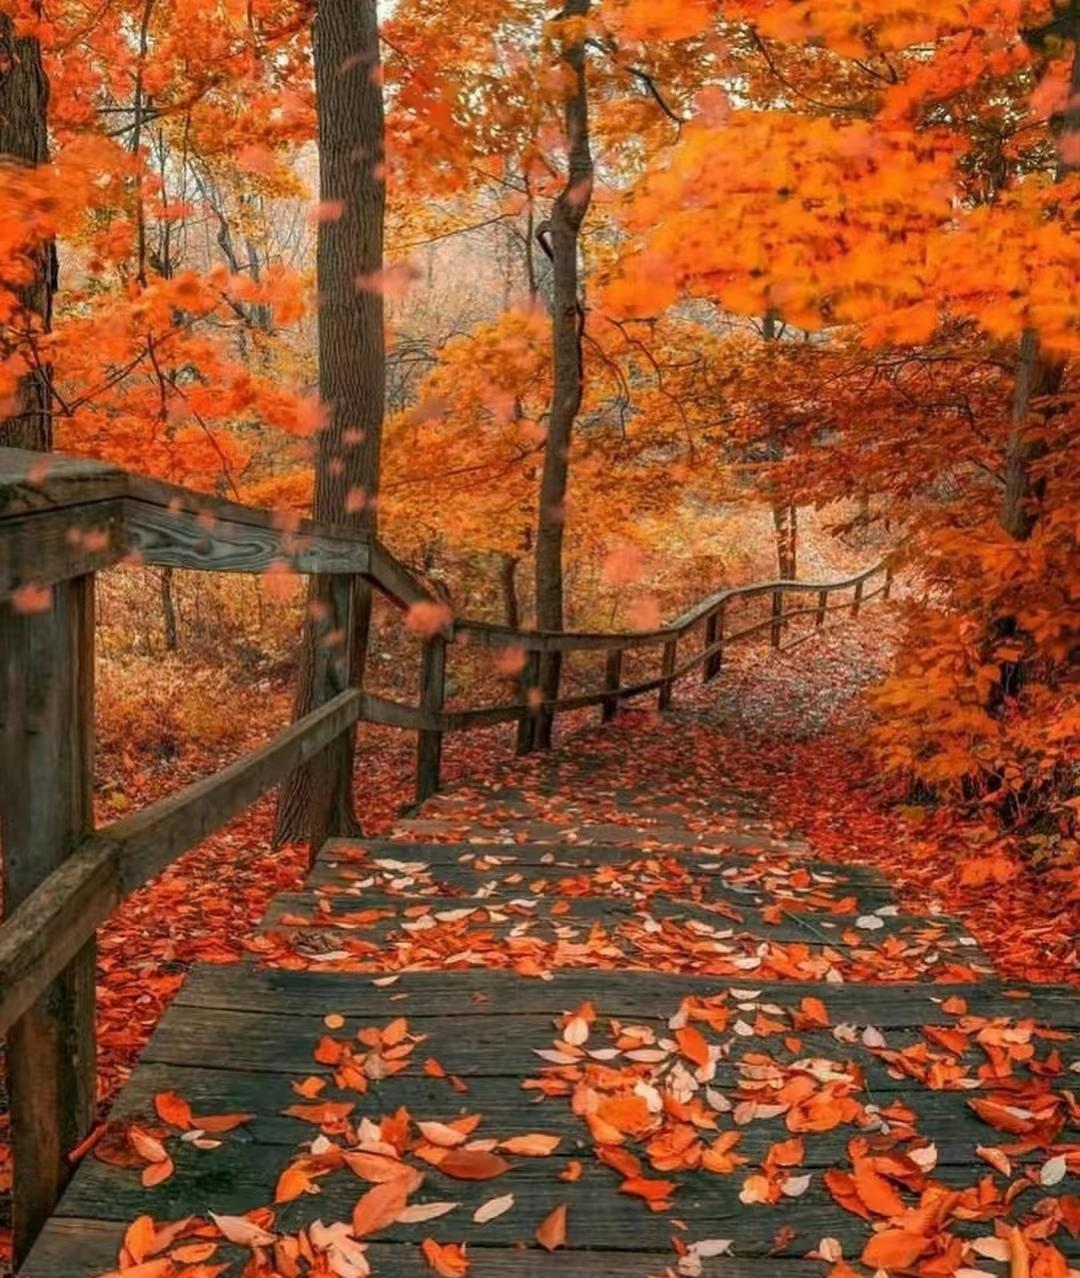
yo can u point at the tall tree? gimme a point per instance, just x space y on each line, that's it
1039 375
317 800
785 515
24 141
563 232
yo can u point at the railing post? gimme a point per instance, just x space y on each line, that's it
887 592
530 686
432 698
856 603
550 677
777 617
822 606
714 633
612 679
339 622
671 654
46 762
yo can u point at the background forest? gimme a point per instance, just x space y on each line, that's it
826 266
678 294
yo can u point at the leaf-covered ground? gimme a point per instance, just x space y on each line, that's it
781 728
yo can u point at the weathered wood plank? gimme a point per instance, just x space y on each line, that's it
49 929
701 610
46 761
432 695
155 492
704 860
235 1178
208 541
612 909
55 545
506 1108
487 635
497 1043
392 714
394 580
668 675
78 1247
32 481
453 881
618 994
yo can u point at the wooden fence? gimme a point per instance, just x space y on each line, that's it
61 522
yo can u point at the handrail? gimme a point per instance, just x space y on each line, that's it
112 863
131 517
61 521
491 635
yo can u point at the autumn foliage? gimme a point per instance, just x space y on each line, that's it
828 283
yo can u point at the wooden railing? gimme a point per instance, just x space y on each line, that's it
61 522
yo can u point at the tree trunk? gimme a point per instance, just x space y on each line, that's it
785 516
168 610
793 543
317 800
786 526
508 584
1037 376
24 142
568 319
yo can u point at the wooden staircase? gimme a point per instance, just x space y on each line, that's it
484 924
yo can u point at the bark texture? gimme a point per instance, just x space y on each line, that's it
785 516
317 801
508 586
24 142
568 318
1039 375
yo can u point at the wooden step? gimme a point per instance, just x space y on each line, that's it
239 1037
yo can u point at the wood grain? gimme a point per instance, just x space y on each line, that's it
208 541
432 695
46 750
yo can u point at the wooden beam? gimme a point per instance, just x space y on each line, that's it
206 541
171 497
488 635
42 548
612 679
61 518
527 711
714 635
50 928
112 863
393 579
32 482
479 634
46 749
549 680
391 714
156 836
432 695
667 675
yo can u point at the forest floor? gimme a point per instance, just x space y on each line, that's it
786 726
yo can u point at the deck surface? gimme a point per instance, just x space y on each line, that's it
437 972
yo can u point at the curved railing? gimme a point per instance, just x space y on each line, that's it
61 522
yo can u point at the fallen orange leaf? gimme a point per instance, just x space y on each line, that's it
551 1232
